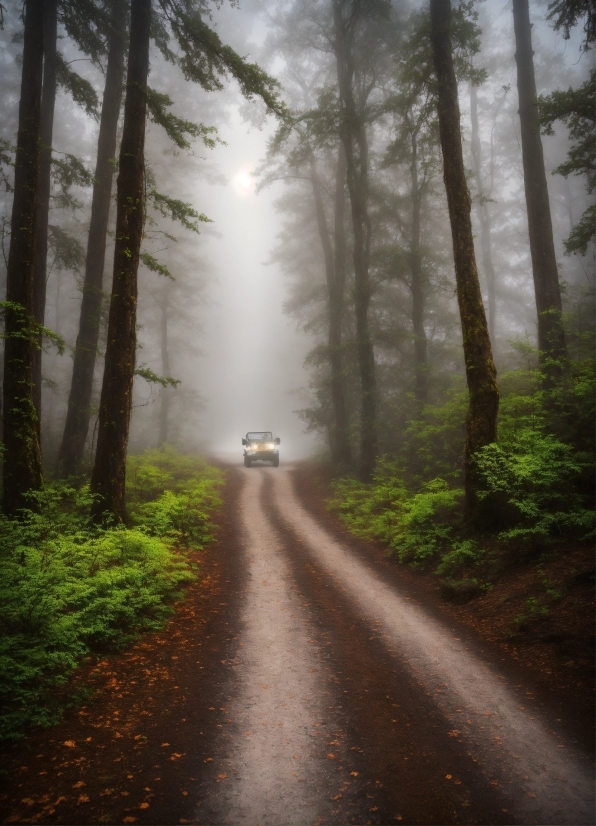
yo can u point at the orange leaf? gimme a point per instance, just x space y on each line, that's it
354 774
144 805
83 798
69 743
129 819
79 785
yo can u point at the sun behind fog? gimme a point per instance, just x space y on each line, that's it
243 182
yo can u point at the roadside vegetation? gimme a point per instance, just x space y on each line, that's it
71 590
536 484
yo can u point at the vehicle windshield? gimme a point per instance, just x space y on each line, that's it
260 437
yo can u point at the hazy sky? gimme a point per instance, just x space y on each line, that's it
252 374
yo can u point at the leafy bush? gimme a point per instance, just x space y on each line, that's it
417 526
537 475
69 589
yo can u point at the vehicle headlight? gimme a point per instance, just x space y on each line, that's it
270 446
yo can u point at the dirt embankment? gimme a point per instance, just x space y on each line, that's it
539 612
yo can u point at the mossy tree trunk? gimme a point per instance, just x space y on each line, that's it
22 455
70 456
352 130
335 272
48 100
551 335
481 425
109 470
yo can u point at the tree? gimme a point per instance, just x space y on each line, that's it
551 335
481 423
352 82
575 108
79 401
335 254
22 454
108 478
484 215
48 100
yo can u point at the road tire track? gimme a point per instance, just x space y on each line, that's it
543 778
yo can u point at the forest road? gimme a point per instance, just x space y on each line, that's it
348 702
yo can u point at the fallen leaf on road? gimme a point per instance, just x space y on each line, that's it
163 745
144 805
398 817
185 794
331 756
69 743
83 798
354 774
222 776
28 801
175 756
129 819
208 760
79 785
454 733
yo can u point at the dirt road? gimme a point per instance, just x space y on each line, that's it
310 687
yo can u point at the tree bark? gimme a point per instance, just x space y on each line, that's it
416 285
109 471
70 456
165 393
352 131
484 215
551 336
481 425
335 277
48 100
22 456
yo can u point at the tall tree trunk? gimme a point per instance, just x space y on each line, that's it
484 215
551 335
416 285
109 471
339 437
70 456
48 100
165 393
22 454
481 425
352 131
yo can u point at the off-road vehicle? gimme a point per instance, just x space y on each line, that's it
261 446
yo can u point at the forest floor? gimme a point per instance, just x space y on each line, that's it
307 678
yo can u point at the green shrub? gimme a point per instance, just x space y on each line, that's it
69 589
537 475
416 526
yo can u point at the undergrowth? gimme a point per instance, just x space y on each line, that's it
70 590
537 482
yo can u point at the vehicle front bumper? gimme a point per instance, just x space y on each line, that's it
266 455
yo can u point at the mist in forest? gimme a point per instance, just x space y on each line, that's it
239 321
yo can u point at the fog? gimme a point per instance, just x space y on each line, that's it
251 372
247 314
